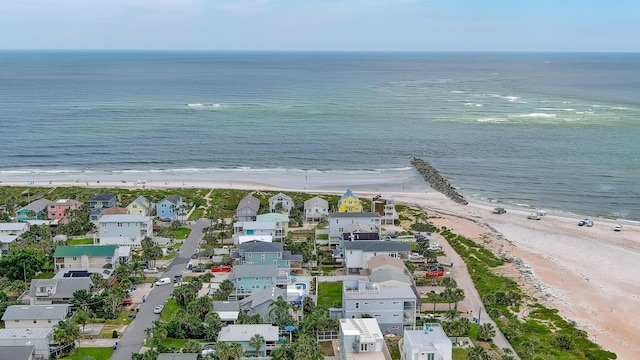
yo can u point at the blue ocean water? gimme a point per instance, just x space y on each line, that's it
559 131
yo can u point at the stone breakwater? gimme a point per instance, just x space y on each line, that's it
437 182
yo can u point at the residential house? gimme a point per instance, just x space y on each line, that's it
85 257
56 291
358 253
242 334
59 209
349 203
267 253
35 316
140 206
428 343
281 220
177 356
259 228
361 339
394 307
5 240
26 352
248 208
385 205
37 210
124 230
250 279
13 229
281 203
316 209
228 311
39 338
387 277
246 238
386 262
341 223
170 207
260 302
100 202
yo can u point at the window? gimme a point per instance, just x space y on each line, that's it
396 315
49 321
431 356
239 279
249 255
381 302
17 321
74 258
366 303
357 305
396 302
35 321
377 315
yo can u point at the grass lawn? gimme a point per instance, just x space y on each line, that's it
329 293
86 241
97 353
394 349
170 308
122 319
178 234
460 354
327 270
45 275
326 347
174 343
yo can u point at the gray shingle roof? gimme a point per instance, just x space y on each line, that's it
36 312
244 333
174 199
37 205
389 275
226 305
102 197
369 246
249 201
269 293
354 214
287 255
255 271
177 356
64 287
260 246
16 352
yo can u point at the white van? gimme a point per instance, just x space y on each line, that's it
163 281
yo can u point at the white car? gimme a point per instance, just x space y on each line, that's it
151 271
415 256
208 349
158 309
533 217
617 228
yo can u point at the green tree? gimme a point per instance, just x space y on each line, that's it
66 334
192 346
236 350
478 353
81 299
306 348
256 342
562 341
82 318
486 332
212 325
223 350
97 280
280 314
21 263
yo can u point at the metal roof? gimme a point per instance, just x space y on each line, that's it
124 218
36 312
244 333
364 214
88 250
369 246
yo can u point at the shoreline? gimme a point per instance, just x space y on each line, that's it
583 272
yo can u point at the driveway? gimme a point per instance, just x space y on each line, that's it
133 338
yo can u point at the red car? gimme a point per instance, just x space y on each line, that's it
127 302
434 273
221 269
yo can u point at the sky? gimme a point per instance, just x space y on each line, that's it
322 25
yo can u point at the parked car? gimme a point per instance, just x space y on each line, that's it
415 256
158 309
499 210
163 281
533 217
127 302
434 273
617 228
587 222
198 269
151 271
208 349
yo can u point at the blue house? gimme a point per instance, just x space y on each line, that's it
250 279
267 253
99 203
242 334
170 207
36 210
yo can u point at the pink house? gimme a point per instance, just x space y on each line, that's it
57 210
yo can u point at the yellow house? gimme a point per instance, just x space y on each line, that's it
349 203
140 206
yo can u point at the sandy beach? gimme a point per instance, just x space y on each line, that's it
588 273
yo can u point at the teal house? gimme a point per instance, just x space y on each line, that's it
36 210
243 334
267 253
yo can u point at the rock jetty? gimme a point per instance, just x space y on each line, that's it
437 182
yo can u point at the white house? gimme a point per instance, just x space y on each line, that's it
428 343
5 240
13 228
361 339
281 203
341 222
316 209
259 228
35 316
126 230
385 205
39 338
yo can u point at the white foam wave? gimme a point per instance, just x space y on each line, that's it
458 92
473 104
490 119
200 105
553 109
506 97
534 115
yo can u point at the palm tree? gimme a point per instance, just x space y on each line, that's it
256 342
279 313
236 350
457 295
192 346
478 353
213 324
66 334
223 350
486 332
82 318
97 280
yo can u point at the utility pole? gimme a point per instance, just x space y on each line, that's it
479 313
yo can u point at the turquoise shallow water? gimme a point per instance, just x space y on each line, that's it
558 131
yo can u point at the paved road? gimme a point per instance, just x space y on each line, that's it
472 299
133 337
